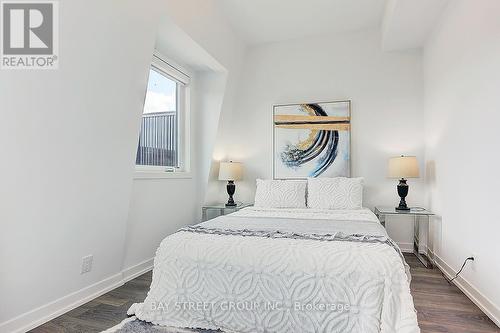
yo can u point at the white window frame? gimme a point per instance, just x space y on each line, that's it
182 77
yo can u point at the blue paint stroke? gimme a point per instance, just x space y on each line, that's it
325 141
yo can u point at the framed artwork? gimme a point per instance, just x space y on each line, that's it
311 140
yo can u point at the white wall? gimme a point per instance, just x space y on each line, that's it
54 212
81 206
462 102
386 94
68 144
70 140
158 207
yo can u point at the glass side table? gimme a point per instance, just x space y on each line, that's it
212 211
382 212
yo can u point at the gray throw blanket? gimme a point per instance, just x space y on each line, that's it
336 236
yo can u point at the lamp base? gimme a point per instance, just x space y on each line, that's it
231 188
402 192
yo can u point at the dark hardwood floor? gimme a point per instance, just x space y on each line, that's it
102 312
441 307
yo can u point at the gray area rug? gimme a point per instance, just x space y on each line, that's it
138 326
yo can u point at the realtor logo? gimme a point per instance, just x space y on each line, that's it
29 35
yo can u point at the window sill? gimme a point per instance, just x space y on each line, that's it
139 174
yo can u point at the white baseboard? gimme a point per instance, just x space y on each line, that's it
49 311
488 307
406 247
136 270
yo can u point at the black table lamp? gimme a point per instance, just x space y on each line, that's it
403 167
230 171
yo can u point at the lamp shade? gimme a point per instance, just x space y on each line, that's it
403 167
230 171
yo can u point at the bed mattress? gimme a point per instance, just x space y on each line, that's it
282 270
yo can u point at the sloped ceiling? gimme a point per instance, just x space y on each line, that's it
408 23
405 24
261 21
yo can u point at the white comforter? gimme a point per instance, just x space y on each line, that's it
248 283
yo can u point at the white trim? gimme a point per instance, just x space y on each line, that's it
156 169
485 304
184 133
182 77
406 247
51 310
136 270
141 175
170 68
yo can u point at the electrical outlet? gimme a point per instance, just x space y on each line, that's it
473 262
87 264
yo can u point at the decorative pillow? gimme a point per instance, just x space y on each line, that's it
280 194
335 193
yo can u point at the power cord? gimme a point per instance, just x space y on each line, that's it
459 271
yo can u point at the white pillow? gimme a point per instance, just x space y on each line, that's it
335 193
280 194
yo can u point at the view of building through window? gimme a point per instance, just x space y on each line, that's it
158 139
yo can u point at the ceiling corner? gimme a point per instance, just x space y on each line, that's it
407 24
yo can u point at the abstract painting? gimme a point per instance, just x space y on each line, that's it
311 140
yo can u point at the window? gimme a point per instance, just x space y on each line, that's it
163 134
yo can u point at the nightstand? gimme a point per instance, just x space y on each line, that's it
382 212
211 211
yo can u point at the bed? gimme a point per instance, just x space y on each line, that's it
282 270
